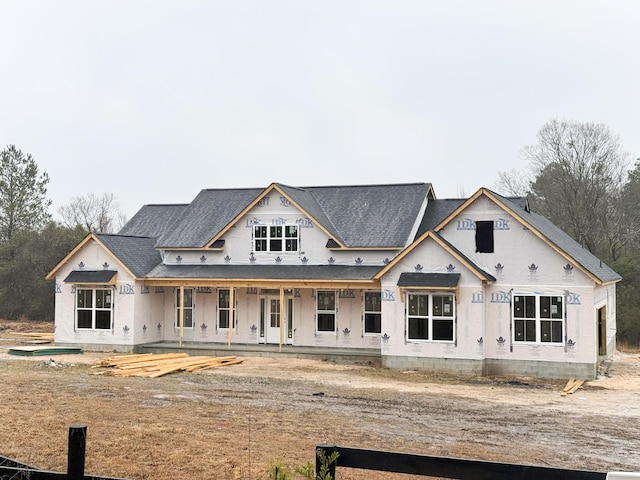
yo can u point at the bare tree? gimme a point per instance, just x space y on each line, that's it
94 213
513 183
580 171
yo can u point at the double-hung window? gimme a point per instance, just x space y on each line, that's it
538 318
188 308
372 312
275 238
430 316
326 310
94 308
224 309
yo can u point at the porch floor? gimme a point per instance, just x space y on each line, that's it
362 356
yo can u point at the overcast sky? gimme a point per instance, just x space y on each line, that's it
155 100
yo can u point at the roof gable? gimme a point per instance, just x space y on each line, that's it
540 226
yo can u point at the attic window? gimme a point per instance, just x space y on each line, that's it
484 237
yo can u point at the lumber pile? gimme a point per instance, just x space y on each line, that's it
151 365
572 386
34 337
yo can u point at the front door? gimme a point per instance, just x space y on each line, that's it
271 316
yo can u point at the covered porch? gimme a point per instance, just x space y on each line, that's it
303 311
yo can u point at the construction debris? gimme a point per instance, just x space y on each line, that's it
151 365
572 386
30 351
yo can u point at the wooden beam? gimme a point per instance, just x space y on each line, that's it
281 317
181 313
232 312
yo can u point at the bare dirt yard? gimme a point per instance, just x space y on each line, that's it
231 422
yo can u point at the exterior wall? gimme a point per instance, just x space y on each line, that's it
121 336
523 263
469 326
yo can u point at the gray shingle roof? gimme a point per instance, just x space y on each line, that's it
261 272
414 279
90 276
153 220
371 216
138 254
206 216
366 216
437 211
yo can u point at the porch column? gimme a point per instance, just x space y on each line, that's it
281 317
232 313
181 313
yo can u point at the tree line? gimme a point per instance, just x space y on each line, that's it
32 242
577 174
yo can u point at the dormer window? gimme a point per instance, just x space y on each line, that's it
280 238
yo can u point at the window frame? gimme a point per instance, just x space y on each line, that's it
93 308
539 316
187 308
368 313
228 309
276 238
428 320
327 312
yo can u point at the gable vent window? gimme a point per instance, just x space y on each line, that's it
484 237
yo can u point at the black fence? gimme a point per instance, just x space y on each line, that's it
14 470
443 467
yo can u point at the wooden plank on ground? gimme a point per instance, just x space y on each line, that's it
571 387
153 366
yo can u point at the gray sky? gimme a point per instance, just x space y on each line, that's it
154 100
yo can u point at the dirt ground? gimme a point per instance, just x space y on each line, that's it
231 422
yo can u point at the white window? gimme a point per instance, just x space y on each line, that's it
188 308
538 318
372 312
326 311
94 308
430 316
280 238
224 309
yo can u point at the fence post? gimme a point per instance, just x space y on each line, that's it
323 452
76 452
